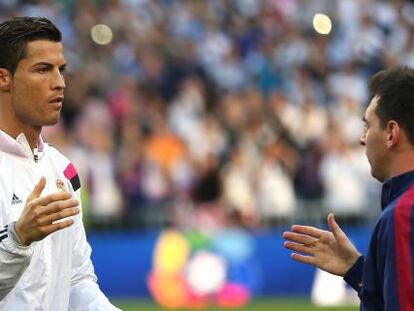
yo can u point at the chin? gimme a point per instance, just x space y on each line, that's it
378 176
52 120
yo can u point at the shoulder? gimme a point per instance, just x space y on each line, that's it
396 217
56 156
65 166
401 207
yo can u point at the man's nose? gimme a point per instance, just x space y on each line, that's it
59 81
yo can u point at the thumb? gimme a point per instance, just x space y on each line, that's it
334 227
37 191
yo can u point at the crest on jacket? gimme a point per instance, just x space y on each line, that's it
60 185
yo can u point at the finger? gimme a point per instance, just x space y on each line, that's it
311 231
37 191
299 238
299 248
59 206
68 212
304 259
334 227
58 226
54 197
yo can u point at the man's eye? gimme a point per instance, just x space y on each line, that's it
42 70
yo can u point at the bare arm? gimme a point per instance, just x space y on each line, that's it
331 250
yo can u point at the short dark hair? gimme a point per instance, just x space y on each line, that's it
15 33
395 90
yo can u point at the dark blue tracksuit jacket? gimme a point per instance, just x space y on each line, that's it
384 278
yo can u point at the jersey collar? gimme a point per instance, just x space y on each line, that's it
19 146
396 186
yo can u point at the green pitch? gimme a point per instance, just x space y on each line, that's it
257 305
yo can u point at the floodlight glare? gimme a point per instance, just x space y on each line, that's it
101 34
322 24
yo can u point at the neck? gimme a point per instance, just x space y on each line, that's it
13 126
402 164
32 135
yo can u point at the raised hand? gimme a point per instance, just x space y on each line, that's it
331 251
44 215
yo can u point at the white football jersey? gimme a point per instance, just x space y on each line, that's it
55 273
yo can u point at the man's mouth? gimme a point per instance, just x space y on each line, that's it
57 100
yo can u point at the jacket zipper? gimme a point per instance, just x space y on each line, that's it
36 154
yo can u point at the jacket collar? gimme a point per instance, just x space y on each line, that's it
394 187
19 146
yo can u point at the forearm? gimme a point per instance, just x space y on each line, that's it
14 260
86 295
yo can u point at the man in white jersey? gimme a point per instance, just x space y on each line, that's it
44 256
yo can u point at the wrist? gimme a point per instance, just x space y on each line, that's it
354 275
354 258
20 237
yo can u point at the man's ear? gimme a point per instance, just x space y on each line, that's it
5 79
393 132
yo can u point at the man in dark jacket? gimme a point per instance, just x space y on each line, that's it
384 277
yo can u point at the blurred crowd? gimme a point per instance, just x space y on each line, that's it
222 112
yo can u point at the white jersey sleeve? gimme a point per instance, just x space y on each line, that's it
85 293
14 259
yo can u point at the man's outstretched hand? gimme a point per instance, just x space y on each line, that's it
44 215
331 251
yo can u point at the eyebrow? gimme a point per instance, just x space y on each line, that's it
42 64
63 66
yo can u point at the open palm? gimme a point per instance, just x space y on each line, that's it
331 251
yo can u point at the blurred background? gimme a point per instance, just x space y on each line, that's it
202 129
